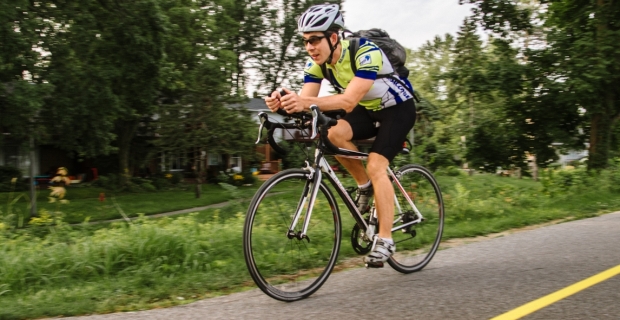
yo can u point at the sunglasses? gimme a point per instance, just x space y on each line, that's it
312 40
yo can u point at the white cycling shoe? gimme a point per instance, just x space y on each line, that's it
381 251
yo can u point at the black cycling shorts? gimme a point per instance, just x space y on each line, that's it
395 123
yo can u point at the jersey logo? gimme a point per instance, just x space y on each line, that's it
365 60
342 55
309 64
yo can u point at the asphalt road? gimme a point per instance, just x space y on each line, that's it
474 281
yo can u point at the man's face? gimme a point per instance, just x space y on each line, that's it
316 46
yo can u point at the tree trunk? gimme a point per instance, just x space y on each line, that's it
33 191
198 188
470 101
198 169
602 119
126 131
600 134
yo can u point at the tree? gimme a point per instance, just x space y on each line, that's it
202 78
575 72
467 70
279 56
22 61
435 136
109 66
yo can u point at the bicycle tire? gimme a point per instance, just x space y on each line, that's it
290 269
416 245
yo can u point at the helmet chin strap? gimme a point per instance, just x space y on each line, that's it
332 48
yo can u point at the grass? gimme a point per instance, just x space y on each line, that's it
84 203
163 262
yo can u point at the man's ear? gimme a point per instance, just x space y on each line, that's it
334 38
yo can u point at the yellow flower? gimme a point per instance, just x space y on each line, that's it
238 177
14 180
168 175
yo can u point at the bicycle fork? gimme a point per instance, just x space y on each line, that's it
308 197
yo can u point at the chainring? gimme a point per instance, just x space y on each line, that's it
359 245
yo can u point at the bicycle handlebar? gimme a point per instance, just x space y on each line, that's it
318 122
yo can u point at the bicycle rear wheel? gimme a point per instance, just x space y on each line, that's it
284 267
416 245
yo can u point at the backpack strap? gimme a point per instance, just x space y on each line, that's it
354 44
329 77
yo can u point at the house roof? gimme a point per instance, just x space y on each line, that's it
254 104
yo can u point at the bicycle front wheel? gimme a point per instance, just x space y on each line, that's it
285 267
416 245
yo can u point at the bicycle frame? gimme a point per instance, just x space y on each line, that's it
321 166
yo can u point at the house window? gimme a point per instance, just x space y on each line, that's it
174 162
234 163
16 157
214 159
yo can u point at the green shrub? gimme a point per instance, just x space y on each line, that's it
450 171
249 178
147 186
569 179
161 183
176 178
110 182
11 179
611 176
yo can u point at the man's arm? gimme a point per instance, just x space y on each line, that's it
310 89
356 90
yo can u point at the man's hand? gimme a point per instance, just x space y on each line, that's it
273 101
291 102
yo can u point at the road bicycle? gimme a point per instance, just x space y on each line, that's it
293 229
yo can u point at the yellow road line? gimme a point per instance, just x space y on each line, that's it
558 295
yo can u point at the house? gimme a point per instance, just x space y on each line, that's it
271 162
570 156
46 160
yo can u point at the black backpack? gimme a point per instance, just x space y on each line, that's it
395 52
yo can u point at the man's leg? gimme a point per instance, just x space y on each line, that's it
341 135
384 193
383 245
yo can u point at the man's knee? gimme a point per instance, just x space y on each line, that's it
376 166
340 133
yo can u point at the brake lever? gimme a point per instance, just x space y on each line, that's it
262 116
315 118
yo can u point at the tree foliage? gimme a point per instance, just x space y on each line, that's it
279 55
102 77
572 74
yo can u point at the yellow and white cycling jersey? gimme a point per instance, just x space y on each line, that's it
370 62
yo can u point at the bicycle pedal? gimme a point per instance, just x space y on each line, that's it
374 265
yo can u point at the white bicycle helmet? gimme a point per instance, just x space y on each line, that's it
320 17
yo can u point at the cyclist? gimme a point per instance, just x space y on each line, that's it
376 105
